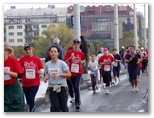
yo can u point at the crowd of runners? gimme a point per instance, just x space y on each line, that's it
63 72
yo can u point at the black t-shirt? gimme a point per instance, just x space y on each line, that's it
133 62
117 57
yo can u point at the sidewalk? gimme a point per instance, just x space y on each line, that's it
40 96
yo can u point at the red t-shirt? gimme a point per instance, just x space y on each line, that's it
13 65
74 64
31 65
108 59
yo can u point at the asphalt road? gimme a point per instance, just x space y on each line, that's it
120 99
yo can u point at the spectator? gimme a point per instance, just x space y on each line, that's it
56 42
84 48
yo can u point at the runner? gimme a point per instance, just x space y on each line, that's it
56 72
93 66
76 59
33 68
13 93
69 83
106 61
125 56
122 52
144 61
116 65
100 78
133 59
138 51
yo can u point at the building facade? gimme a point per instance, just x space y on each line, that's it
25 25
97 22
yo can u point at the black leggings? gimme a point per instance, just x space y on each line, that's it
30 93
70 88
76 85
133 72
58 100
116 71
106 77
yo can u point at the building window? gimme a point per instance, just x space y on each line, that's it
19 27
11 34
19 40
19 33
61 20
27 20
11 40
44 26
11 27
35 27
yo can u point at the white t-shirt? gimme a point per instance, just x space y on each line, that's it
98 56
94 66
52 69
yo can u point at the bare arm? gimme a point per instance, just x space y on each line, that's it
65 74
13 74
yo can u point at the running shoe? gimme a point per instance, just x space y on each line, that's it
72 100
77 107
137 89
107 91
133 90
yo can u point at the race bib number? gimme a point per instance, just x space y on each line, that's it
7 76
30 73
115 64
107 68
53 71
75 68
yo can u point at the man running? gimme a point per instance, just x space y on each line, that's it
133 59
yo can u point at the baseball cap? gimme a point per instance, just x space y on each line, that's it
122 47
6 46
76 41
105 49
27 46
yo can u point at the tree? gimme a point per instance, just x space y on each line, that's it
62 32
18 51
91 49
98 45
41 46
65 35
128 39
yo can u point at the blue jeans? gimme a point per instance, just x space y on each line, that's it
30 93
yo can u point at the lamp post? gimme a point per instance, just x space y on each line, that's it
77 28
116 29
135 29
145 36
